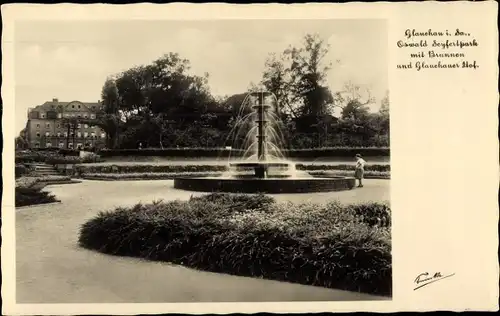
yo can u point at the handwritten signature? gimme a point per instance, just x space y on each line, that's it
426 278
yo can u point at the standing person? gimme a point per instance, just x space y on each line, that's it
360 169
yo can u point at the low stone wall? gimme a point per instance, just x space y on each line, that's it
272 186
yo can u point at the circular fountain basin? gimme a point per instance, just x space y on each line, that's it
259 164
267 185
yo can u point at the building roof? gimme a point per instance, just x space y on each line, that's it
72 106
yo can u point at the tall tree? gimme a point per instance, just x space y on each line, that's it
110 120
308 73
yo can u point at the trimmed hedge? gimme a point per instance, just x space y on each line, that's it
146 175
83 169
28 182
345 173
368 167
53 158
69 152
33 196
333 245
151 168
222 152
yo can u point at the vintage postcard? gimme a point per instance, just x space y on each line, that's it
222 158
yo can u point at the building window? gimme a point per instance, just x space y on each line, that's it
61 144
85 116
47 125
47 134
92 116
79 115
48 145
37 145
79 145
70 145
103 135
78 106
59 115
79 134
92 134
86 126
58 125
42 115
79 125
37 125
37 134
73 106
58 134
85 134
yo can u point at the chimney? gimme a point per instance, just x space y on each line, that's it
55 100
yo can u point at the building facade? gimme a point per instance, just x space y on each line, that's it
47 125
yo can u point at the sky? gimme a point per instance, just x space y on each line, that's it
70 60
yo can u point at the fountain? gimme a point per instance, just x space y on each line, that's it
262 147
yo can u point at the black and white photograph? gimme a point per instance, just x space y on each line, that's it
202 161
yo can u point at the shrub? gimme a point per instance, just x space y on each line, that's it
21 170
146 175
83 169
150 168
91 158
69 152
331 246
32 196
63 160
238 202
28 182
372 213
368 167
342 173
222 152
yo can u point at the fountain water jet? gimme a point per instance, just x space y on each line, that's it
289 181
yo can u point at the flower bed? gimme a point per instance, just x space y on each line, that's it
146 175
223 152
152 168
369 167
345 173
333 245
53 158
28 182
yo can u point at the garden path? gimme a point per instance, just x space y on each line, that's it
51 268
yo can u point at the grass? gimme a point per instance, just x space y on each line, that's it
333 245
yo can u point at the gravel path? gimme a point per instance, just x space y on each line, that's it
51 268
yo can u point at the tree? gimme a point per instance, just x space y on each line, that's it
308 73
109 120
21 141
298 79
276 79
151 94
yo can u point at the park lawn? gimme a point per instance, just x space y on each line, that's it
334 245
